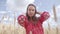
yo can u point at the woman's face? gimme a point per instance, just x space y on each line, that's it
31 11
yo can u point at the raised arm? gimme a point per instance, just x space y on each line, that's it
44 16
22 20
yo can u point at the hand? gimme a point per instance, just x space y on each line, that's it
46 15
22 18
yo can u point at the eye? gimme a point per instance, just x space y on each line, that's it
33 10
29 9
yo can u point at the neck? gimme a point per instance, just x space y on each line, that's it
30 18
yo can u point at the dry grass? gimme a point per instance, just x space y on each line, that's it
10 29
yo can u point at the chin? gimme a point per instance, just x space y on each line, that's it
31 16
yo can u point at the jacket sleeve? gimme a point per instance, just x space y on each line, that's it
22 20
44 16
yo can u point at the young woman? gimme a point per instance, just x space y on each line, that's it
30 22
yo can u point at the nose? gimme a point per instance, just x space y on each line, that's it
31 11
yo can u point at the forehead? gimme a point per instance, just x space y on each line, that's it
31 7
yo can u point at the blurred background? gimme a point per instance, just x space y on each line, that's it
11 9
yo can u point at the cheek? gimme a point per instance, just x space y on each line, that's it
28 13
33 12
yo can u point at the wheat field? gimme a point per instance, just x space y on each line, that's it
11 29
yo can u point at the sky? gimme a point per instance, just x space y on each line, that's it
9 7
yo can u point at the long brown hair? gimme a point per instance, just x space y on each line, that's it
34 18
